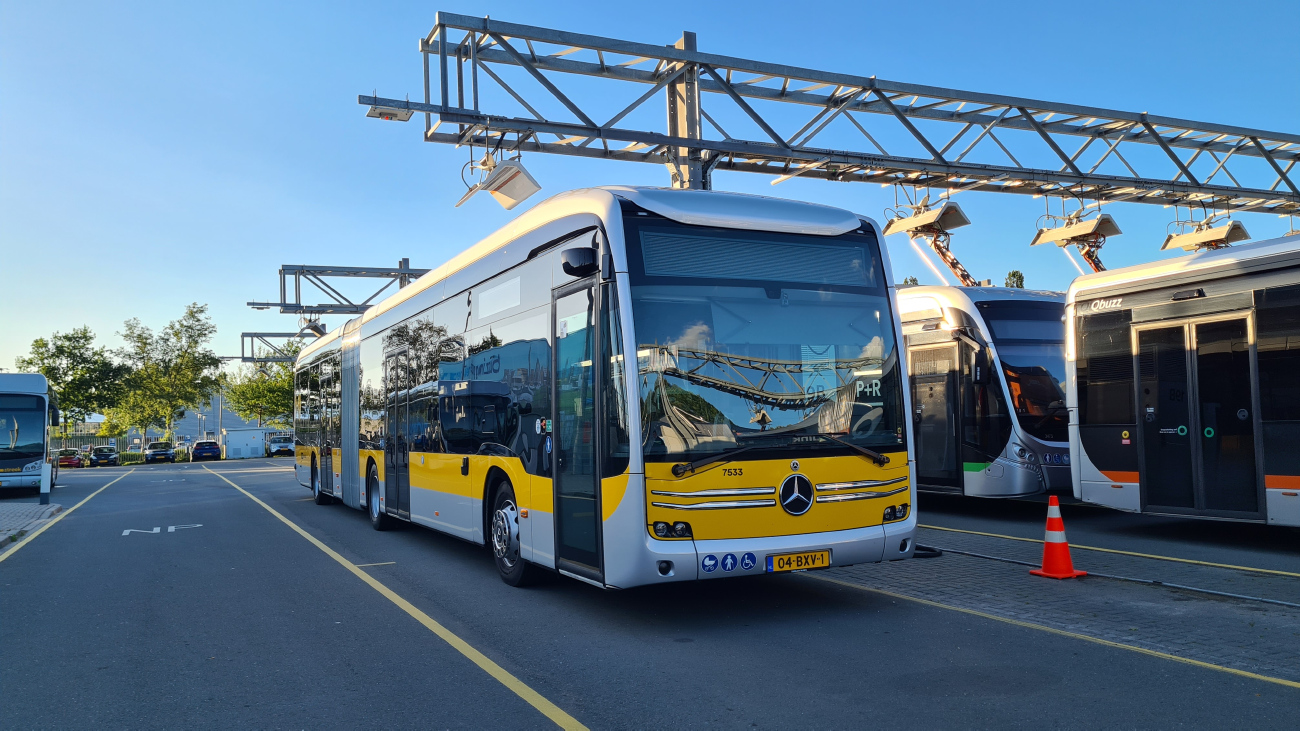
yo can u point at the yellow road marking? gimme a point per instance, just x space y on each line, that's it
57 518
521 689
1063 633
1122 553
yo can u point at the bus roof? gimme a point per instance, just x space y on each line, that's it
918 297
1202 265
695 207
24 383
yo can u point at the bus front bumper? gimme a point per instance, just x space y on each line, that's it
9 479
711 559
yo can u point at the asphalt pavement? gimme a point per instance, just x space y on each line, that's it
213 612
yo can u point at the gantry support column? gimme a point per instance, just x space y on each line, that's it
687 164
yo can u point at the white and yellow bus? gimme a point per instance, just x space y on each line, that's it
630 386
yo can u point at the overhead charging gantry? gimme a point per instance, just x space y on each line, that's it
495 85
267 347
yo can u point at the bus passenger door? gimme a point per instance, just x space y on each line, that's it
934 401
1196 403
577 502
397 475
1226 423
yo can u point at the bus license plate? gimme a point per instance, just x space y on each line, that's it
798 561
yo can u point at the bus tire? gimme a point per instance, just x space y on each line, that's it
514 570
379 520
321 497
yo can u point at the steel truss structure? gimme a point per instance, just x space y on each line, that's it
340 304
463 53
251 343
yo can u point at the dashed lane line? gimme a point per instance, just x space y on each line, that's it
57 518
1062 633
521 689
1155 556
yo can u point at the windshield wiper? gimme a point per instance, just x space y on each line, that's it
728 455
876 457
682 468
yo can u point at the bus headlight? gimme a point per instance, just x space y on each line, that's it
672 530
32 466
1021 453
896 512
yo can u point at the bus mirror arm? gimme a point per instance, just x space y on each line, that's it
601 244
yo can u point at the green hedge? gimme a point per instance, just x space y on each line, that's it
138 457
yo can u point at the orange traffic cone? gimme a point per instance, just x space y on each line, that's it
1056 552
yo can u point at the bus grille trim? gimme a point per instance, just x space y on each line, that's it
719 505
858 496
838 486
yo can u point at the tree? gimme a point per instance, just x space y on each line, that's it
1015 279
264 393
172 370
85 378
113 425
911 280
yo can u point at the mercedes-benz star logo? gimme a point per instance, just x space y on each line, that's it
796 494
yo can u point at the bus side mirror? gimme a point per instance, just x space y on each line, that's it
54 417
580 261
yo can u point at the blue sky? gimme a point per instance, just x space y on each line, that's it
154 154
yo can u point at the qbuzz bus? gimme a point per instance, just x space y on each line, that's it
630 386
1184 385
987 373
28 408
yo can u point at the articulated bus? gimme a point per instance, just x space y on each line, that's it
630 386
1184 385
987 371
28 408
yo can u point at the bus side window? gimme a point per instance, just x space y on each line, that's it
986 421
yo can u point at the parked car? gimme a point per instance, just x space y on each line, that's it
71 458
279 445
205 449
159 452
102 456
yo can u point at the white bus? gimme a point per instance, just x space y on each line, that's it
1184 385
28 409
630 386
987 372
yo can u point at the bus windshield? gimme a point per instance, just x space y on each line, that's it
754 338
1030 340
22 427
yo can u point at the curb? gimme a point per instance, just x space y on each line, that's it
7 541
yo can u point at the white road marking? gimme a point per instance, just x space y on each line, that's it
172 528
157 529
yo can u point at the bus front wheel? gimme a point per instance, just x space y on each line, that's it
514 570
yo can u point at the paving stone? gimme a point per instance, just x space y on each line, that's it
1246 635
